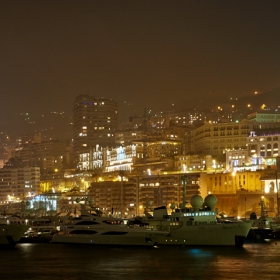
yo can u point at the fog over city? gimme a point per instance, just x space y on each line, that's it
159 55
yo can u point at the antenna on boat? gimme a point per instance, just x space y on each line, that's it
263 209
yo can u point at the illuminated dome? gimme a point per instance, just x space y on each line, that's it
196 201
210 201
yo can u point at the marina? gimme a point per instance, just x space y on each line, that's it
196 225
140 140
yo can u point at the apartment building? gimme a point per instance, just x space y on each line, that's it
126 137
215 139
135 193
50 156
264 142
95 123
264 116
17 184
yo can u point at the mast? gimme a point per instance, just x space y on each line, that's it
276 177
184 179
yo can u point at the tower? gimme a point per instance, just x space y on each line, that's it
95 123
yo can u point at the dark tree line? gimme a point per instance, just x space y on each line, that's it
14 162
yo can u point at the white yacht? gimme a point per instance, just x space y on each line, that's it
197 225
11 231
97 230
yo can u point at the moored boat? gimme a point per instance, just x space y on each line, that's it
11 231
198 225
262 226
98 230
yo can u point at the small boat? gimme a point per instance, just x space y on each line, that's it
262 226
97 230
275 234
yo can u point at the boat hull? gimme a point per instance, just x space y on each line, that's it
228 234
10 234
147 239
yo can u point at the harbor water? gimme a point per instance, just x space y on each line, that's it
65 261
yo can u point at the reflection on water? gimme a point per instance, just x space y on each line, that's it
61 261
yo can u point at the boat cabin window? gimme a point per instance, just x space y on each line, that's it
82 231
114 233
113 222
86 223
76 219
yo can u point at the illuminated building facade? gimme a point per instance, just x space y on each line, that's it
141 154
95 122
126 137
108 159
140 192
216 139
264 143
239 193
236 159
189 163
158 148
231 182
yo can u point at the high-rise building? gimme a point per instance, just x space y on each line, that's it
95 123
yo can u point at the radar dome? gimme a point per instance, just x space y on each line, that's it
172 206
210 201
182 205
196 201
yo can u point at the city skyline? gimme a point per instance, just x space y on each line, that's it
154 54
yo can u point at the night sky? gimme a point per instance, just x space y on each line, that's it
143 54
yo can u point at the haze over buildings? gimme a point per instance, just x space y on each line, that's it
159 55
152 88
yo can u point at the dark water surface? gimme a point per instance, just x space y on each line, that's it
63 261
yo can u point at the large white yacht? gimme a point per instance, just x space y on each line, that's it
98 230
197 225
11 231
